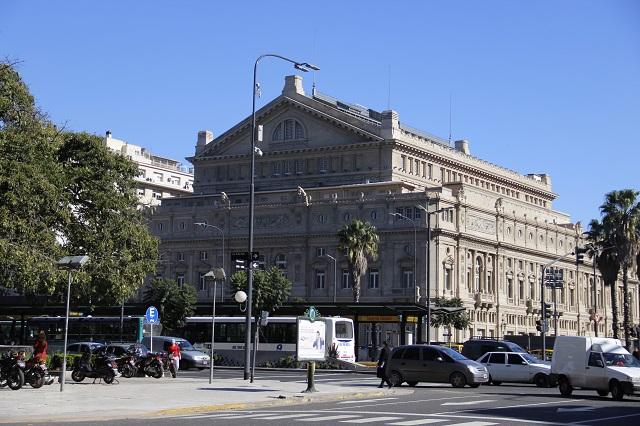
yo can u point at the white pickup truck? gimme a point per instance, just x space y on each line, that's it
596 363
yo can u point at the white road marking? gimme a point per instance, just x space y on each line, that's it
206 416
469 402
474 424
607 418
325 418
418 422
576 409
371 420
287 416
365 400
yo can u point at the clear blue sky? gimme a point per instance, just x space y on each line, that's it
540 86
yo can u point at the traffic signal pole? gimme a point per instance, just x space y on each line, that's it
542 301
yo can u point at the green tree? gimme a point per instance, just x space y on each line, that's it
620 223
174 303
270 289
603 240
360 242
458 320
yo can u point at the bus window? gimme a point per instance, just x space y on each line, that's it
344 330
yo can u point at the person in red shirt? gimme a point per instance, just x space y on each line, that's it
40 347
174 351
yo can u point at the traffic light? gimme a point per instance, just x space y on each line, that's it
539 325
580 251
547 310
239 261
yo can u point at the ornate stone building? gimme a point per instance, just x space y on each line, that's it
325 162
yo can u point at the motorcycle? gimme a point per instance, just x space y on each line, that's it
127 365
35 372
104 367
11 371
150 365
167 363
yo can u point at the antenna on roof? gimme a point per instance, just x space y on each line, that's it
313 73
449 118
389 89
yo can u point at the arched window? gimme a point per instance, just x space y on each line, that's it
288 130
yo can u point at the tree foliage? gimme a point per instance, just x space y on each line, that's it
270 288
65 193
458 320
360 242
174 303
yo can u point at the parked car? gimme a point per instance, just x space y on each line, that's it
475 348
516 367
597 363
120 349
82 347
431 363
191 357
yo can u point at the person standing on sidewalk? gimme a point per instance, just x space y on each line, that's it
385 353
174 352
40 347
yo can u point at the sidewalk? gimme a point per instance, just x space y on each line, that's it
148 397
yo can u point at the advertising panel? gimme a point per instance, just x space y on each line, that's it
311 340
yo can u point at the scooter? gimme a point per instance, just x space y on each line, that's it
103 367
11 371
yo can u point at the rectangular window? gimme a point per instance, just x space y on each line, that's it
180 256
299 166
404 162
286 167
430 170
320 279
276 168
374 278
417 167
424 169
346 283
407 278
323 165
320 251
203 282
203 255
520 288
447 279
410 165
180 280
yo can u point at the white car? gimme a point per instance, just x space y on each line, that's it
516 367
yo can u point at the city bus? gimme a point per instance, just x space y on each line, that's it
276 340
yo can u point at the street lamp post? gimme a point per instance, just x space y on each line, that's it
69 263
302 66
216 274
206 225
335 275
428 290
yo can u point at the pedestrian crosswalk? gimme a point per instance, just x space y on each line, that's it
335 417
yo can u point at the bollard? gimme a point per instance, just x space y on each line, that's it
311 369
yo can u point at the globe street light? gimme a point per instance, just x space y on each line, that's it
428 213
69 263
302 66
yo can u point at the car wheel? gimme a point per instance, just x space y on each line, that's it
77 376
15 379
475 385
603 392
412 384
395 379
541 380
457 380
565 387
494 382
617 393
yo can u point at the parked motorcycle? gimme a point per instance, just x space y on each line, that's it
11 371
104 367
35 372
127 365
150 365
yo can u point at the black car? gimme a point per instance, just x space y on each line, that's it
475 348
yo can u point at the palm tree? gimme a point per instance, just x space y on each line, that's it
621 215
360 241
603 242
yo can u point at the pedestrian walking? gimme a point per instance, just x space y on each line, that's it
40 347
385 353
174 354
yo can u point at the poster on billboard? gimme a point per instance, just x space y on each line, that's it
311 340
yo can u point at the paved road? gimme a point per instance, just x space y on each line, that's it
429 404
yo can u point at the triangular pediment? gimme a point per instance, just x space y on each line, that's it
292 124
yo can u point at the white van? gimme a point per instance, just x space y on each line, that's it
596 363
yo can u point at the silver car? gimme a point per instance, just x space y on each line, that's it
516 367
431 363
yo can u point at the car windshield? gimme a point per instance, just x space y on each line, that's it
185 345
453 354
620 360
514 347
531 359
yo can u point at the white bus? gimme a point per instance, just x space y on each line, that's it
277 339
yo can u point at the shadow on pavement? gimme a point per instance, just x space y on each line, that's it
239 389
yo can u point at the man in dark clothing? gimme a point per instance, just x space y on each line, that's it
385 353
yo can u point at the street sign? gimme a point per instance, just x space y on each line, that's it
151 316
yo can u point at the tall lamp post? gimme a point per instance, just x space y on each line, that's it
70 263
428 290
206 225
217 274
302 66
335 275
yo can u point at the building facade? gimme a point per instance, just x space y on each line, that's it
159 177
325 162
